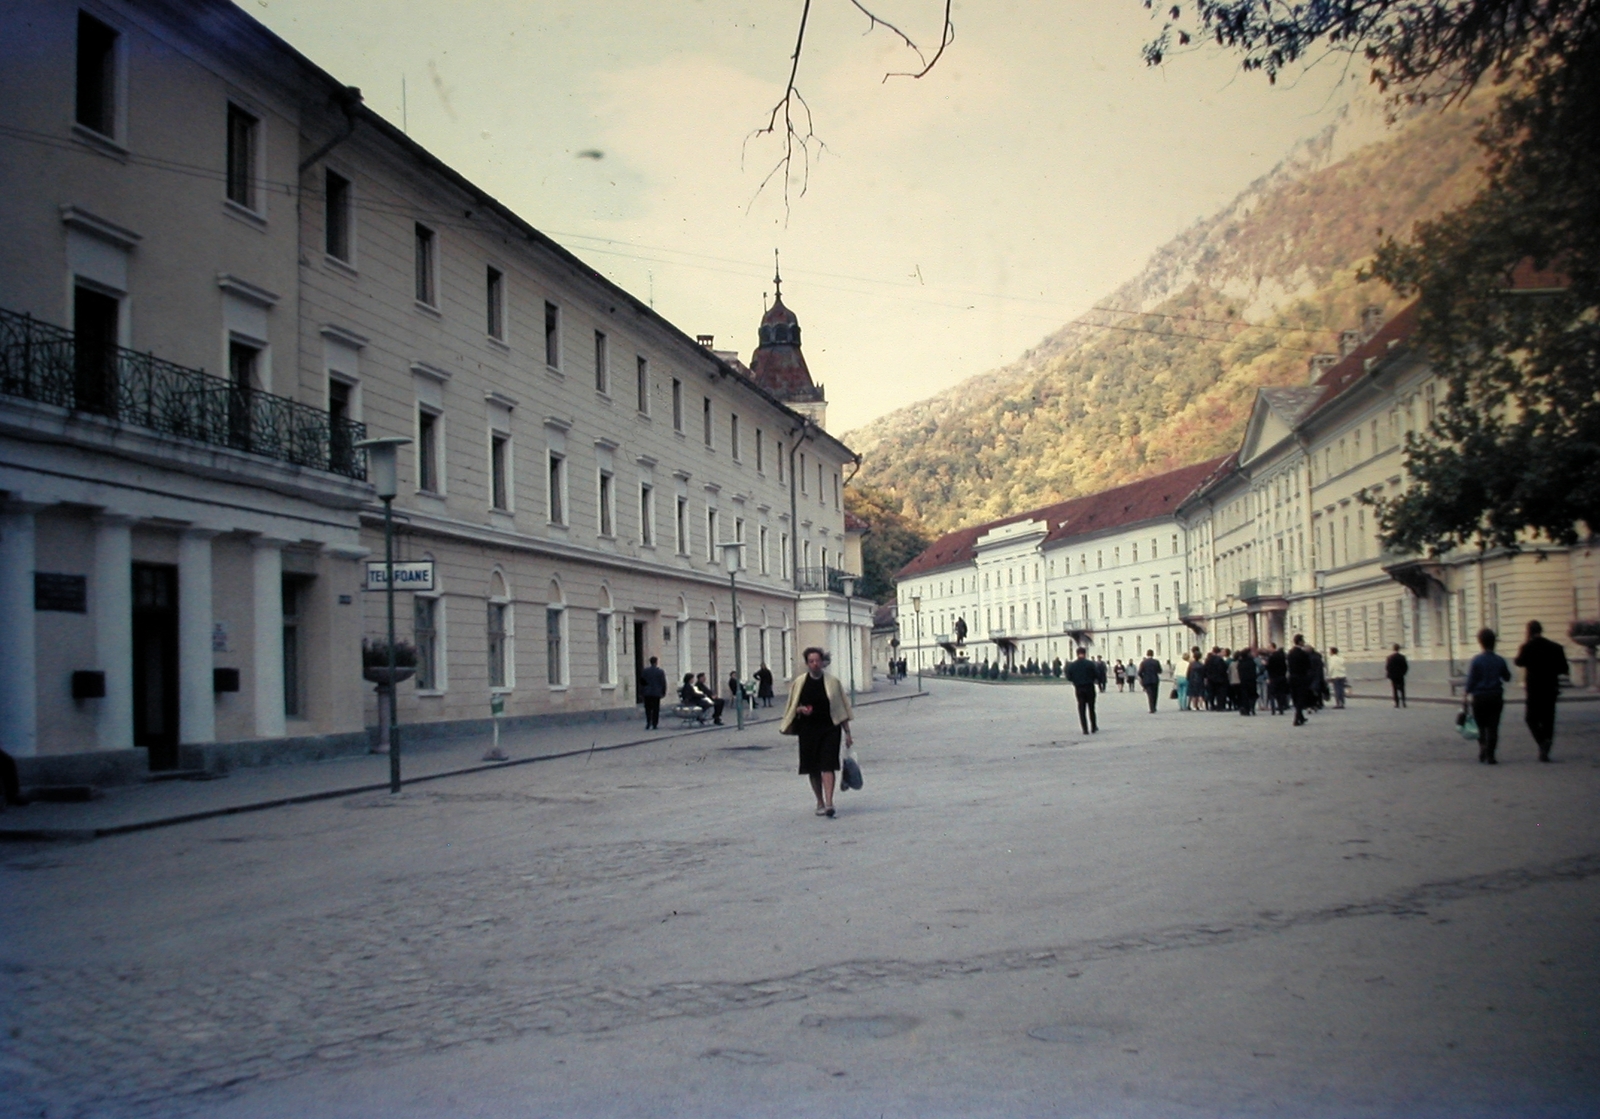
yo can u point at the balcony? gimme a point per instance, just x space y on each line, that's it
827 580
1252 589
46 365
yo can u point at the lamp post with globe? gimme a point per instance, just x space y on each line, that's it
381 456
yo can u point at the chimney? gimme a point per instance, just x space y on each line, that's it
709 341
1350 341
1321 363
1371 320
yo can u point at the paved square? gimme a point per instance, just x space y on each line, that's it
1184 915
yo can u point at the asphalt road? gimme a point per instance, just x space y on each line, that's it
1184 915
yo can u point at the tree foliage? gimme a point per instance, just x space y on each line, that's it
892 540
1516 449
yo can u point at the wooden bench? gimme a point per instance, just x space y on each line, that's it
686 714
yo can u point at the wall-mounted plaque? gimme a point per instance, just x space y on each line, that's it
68 594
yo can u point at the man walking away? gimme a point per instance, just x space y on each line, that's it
1543 665
1486 677
1150 677
1336 675
652 686
1277 680
1085 677
1247 682
1299 665
1216 679
1319 678
1099 672
1395 668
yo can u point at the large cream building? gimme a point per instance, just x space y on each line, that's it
219 272
1276 539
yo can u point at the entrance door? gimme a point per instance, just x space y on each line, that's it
155 662
638 657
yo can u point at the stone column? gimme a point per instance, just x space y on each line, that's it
111 603
197 705
267 638
19 683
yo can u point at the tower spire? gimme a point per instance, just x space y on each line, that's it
777 277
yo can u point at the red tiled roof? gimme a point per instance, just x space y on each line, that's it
1126 505
1351 368
853 523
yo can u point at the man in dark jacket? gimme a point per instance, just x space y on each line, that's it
1216 680
1277 680
1247 682
1150 677
652 686
1299 663
1543 665
1395 668
1086 678
1099 672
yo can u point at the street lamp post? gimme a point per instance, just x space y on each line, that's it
916 604
731 554
848 582
381 454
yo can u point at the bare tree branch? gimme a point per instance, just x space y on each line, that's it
801 137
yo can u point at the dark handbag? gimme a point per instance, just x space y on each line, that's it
850 772
1173 694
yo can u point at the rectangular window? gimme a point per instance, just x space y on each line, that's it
602 645
336 215
681 525
711 534
762 539
496 634
97 75
555 667
738 535
641 384
607 488
706 415
557 483
783 553
780 462
761 461
427 451
1137 610
677 405
95 327
602 364
552 335
499 480
647 514
1155 596
803 473
425 636
836 491
294 697
494 288
244 373
425 266
243 137
733 435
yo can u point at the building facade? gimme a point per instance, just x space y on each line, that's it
1275 539
221 271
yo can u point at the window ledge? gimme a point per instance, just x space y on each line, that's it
555 372
498 343
559 687
504 689
100 142
562 525
432 494
428 693
343 267
244 214
642 415
611 536
427 309
502 514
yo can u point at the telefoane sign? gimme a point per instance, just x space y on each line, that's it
412 575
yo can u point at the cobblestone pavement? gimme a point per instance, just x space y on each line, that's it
1185 915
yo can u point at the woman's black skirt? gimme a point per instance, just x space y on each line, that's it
819 751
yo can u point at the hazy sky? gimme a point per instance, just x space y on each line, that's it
951 223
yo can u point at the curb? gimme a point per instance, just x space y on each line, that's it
85 834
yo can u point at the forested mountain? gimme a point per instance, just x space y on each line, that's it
1163 371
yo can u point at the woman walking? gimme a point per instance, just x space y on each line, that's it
818 713
1182 678
1486 678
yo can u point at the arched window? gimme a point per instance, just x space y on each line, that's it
501 634
555 637
605 648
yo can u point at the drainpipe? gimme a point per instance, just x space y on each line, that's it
796 437
347 99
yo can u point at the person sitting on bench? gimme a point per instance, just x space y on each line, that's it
709 696
689 696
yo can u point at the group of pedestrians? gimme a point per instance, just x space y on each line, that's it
697 691
1543 664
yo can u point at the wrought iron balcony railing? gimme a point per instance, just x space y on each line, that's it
824 579
49 365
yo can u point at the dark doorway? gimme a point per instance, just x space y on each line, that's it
638 657
711 653
242 373
94 373
155 662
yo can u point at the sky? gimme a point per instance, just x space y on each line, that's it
948 224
